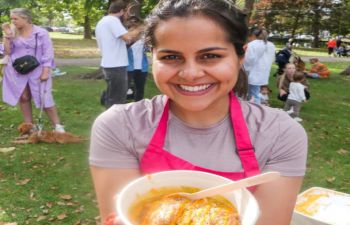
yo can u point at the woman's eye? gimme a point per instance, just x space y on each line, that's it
210 56
170 57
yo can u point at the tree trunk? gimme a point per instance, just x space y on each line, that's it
87 27
316 27
249 5
296 21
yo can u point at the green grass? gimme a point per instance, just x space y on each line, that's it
56 171
73 46
327 122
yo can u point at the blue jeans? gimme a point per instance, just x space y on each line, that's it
254 92
117 84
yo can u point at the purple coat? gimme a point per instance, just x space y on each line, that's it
14 83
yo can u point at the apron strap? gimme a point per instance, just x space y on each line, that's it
245 149
158 137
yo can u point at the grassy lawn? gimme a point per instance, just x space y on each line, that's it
50 183
73 46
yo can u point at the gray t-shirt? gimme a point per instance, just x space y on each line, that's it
121 134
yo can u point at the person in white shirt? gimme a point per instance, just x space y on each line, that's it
111 38
296 96
260 55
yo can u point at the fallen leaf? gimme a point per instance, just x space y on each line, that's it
66 197
40 218
77 223
330 179
61 217
342 152
23 182
5 150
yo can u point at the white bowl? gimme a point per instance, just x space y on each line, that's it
244 201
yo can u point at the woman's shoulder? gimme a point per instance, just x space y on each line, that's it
40 31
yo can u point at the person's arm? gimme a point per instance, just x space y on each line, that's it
112 162
107 183
7 45
46 60
132 35
277 200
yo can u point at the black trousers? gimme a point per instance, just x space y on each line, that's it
137 81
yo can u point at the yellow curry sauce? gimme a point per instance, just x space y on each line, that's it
160 207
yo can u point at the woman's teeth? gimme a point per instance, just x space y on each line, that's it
194 88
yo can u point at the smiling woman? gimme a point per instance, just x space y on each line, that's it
199 123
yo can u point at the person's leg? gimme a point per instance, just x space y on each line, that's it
26 105
52 114
254 91
313 75
297 107
117 83
287 106
140 81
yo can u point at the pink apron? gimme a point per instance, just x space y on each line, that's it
156 159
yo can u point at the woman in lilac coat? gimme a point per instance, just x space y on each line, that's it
36 85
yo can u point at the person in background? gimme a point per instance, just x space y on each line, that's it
138 62
112 37
258 61
284 81
331 45
282 58
299 64
264 95
318 70
36 85
296 96
196 68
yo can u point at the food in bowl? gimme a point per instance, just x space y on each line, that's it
162 207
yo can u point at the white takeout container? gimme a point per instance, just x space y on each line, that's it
244 201
324 207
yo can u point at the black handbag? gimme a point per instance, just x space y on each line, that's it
26 64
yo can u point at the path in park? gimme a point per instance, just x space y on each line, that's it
96 61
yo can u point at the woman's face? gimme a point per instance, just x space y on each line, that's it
193 63
18 21
290 69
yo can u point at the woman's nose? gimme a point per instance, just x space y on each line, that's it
191 71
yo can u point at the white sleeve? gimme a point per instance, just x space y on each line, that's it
117 28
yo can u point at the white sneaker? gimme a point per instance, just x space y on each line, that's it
129 92
290 111
59 128
298 119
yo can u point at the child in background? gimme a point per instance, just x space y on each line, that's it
264 95
138 63
318 70
296 96
284 81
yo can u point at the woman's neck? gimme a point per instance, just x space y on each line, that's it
26 31
204 118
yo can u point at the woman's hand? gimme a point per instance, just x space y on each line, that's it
6 28
282 92
45 74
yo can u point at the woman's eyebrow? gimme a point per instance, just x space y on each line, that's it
211 49
168 51
200 51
